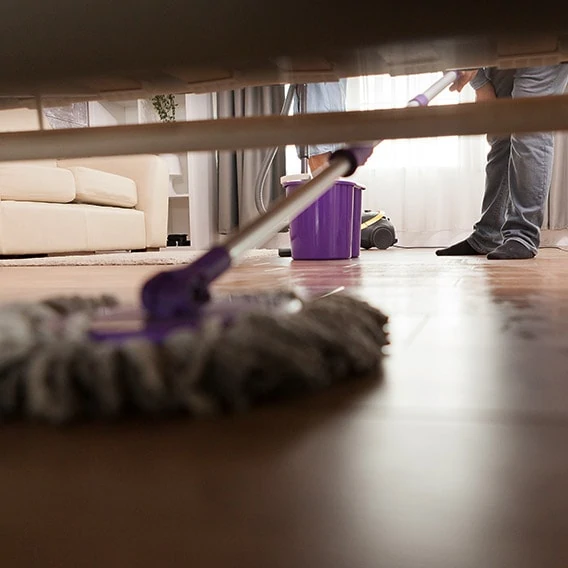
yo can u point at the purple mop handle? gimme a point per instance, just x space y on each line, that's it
358 154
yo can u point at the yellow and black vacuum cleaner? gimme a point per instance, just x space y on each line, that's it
377 230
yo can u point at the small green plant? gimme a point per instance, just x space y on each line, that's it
165 106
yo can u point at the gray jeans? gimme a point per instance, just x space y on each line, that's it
519 167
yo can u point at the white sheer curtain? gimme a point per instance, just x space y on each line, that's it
430 188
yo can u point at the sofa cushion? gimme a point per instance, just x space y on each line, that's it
114 228
101 188
37 228
30 182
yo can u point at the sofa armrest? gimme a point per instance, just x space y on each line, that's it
151 175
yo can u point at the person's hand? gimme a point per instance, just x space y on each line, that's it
464 78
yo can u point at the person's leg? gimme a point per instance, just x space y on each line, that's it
530 168
486 234
323 97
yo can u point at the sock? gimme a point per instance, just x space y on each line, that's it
510 250
459 249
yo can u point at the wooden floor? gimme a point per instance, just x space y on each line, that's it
459 459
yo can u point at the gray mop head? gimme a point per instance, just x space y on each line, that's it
51 370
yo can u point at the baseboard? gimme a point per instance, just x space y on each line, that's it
554 238
427 239
281 240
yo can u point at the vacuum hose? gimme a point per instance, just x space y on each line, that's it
269 158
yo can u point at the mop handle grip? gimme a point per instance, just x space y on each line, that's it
434 90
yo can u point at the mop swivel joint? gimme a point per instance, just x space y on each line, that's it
181 293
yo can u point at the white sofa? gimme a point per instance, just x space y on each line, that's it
80 205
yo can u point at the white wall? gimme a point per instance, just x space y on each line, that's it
201 168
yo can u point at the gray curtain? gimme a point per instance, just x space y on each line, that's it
237 171
557 210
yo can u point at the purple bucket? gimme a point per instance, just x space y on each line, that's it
323 231
356 241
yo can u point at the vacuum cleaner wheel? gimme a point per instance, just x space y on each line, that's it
377 231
